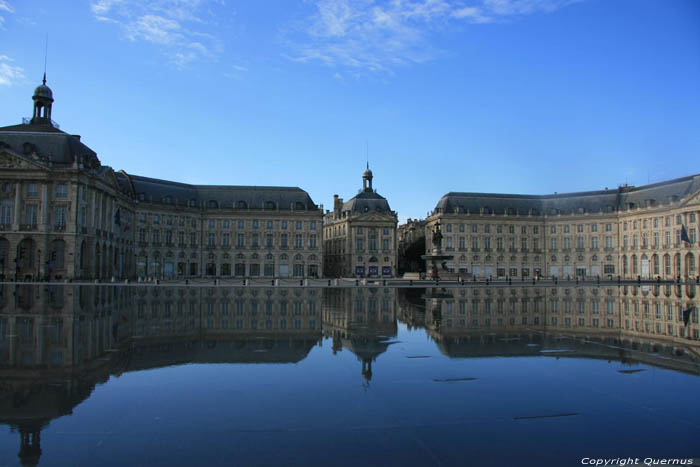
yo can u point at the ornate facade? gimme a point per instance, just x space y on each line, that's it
359 236
65 215
629 231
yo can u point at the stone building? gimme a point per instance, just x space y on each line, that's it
359 235
411 236
628 231
65 215
224 231
58 204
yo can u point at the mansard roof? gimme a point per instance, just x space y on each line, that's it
367 201
219 196
619 199
47 141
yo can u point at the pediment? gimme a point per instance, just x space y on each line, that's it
12 160
375 216
692 200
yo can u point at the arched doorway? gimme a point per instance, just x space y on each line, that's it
25 258
98 262
56 263
4 256
83 259
690 269
645 266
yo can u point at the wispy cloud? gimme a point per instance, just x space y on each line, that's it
6 8
176 26
236 71
380 35
10 74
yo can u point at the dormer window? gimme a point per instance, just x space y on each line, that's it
192 203
213 204
142 196
242 205
168 200
269 205
299 206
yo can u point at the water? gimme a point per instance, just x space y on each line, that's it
103 375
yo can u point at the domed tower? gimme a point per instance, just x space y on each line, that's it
367 179
43 98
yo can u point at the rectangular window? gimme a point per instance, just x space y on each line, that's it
6 212
60 216
298 243
61 190
212 223
30 214
32 189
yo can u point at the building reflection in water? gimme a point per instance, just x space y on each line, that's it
58 342
627 323
362 321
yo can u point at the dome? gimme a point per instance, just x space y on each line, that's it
43 92
367 173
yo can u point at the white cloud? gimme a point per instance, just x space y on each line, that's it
236 72
171 24
6 7
10 74
379 35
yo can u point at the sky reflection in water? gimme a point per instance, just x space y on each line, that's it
226 376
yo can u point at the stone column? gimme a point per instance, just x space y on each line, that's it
18 206
45 208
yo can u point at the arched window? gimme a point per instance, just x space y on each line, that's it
242 205
270 205
213 204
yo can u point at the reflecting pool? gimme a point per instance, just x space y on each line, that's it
487 375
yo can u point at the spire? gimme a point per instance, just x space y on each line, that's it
367 179
43 99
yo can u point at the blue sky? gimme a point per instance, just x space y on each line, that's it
516 96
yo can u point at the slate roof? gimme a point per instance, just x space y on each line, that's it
221 196
48 142
618 199
367 201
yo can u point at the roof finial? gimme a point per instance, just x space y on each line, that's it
367 154
46 54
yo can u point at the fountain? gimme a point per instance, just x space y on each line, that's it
436 262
